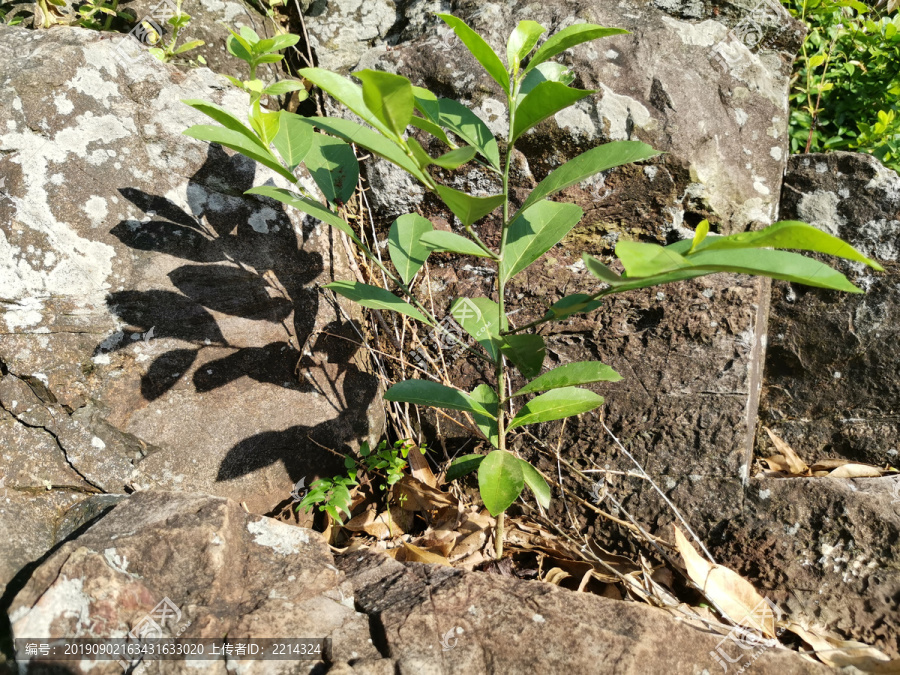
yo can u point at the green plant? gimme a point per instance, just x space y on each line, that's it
170 49
389 460
12 14
332 495
846 86
534 90
255 51
99 14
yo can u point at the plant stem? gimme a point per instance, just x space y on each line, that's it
501 314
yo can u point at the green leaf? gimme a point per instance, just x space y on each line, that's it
545 72
522 41
374 297
370 140
434 395
294 139
238 142
389 97
239 47
188 46
347 92
455 158
526 351
699 234
408 253
500 481
787 234
431 128
333 165
480 49
479 318
544 100
569 37
421 157
223 117
264 123
572 304
571 374
775 264
535 231
487 397
426 103
440 240
555 405
537 483
601 271
283 87
466 207
307 206
645 259
461 466
589 163
280 42
249 35
471 128
269 58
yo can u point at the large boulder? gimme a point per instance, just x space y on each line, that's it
201 566
153 316
832 389
692 80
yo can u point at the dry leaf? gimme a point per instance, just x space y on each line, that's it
384 525
418 467
728 590
414 495
411 553
828 464
855 471
787 459
555 576
838 653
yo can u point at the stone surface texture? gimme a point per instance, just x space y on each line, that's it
151 316
832 386
230 572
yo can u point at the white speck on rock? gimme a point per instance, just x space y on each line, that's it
537 618
96 210
64 599
63 105
281 538
819 208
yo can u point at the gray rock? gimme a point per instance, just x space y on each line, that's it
822 548
152 316
229 572
832 389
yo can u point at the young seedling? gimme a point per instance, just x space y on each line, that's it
534 87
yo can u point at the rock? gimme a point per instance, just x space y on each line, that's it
153 316
823 548
691 81
831 368
224 571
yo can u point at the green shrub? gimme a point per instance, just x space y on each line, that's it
846 88
535 88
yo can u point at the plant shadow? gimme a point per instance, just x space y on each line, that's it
242 258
